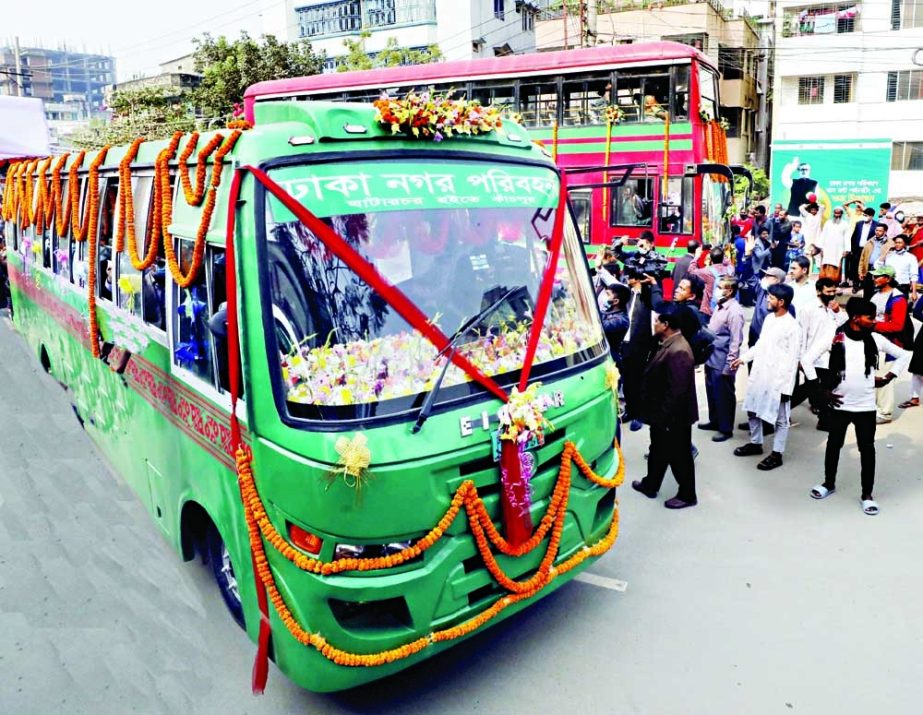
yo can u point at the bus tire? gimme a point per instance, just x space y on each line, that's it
223 570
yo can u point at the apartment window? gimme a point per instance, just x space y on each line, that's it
905 86
906 14
820 20
330 18
732 62
380 13
528 19
698 40
842 88
907 156
810 90
498 9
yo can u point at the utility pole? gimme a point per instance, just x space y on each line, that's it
564 7
17 61
591 13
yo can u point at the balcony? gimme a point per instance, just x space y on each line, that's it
821 19
738 92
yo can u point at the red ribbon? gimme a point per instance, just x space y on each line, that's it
517 524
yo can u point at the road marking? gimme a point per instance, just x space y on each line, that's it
613 584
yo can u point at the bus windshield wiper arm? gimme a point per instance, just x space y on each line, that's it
449 348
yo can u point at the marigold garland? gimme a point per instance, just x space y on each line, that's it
57 207
93 220
162 186
126 221
78 232
259 527
194 195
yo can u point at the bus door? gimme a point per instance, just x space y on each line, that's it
717 196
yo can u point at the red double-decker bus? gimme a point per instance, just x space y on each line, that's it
637 126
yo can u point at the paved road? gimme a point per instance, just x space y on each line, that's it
760 600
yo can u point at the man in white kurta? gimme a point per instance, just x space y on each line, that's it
775 359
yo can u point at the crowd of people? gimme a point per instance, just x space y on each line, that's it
809 338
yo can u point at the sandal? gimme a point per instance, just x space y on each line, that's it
913 402
870 507
821 492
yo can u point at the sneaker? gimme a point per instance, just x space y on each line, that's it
748 450
771 462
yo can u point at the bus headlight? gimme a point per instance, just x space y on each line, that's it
368 551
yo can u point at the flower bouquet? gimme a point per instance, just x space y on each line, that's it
436 117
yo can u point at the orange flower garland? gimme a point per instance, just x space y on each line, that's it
126 199
184 280
39 210
92 220
194 195
258 523
78 233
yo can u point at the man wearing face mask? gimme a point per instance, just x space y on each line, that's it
727 324
818 322
854 354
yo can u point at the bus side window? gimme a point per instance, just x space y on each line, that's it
192 340
130 282
632 203
581 203
62 241
105 269
79 248
538 103
586 99
497 94
677 215
680 92
47 239
642 94
218 322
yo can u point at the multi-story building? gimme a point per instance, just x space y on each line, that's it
177 77
733 42
60 76
849 77
462 29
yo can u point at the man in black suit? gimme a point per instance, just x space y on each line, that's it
863 231
669 406
681 267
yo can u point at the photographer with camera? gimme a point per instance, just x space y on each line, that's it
644 259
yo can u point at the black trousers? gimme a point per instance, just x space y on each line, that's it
632 373
670 448
864 422
721 392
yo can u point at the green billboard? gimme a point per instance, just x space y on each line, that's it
831 172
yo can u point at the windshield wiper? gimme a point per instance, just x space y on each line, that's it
449 348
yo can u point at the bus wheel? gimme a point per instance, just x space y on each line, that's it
223 569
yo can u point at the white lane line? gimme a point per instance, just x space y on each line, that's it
613 584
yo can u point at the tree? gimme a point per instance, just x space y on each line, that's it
357 58
229 67
150 112
760 188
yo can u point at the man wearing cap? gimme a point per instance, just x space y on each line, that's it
890 322
875 250
861 233
834 244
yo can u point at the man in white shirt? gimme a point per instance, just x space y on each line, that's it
810 223
772 377
805 294
834 244
904 263
818 325
853 357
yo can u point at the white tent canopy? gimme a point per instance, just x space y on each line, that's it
23 130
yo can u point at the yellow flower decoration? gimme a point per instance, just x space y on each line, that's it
353 465
612 377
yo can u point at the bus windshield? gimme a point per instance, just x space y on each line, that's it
455 237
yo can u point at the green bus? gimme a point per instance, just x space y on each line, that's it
357 305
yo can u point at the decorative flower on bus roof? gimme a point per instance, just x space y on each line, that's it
436 117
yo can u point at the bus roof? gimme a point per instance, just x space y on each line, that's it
525 65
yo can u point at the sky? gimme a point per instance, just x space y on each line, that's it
139 35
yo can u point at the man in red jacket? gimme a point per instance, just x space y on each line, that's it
891 322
